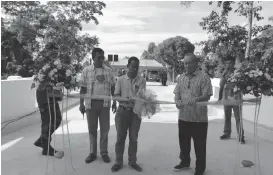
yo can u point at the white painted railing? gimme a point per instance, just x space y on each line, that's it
17 98
266 109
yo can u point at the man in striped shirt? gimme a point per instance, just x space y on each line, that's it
193 86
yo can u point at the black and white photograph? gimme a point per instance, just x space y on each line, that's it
136 87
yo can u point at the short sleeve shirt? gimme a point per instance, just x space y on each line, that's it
127 88
190 87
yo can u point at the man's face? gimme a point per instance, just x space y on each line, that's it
133 67
99 58
190 64
229 64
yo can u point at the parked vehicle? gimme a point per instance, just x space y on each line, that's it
154 76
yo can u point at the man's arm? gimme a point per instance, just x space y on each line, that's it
177 93
82 92
206 89
83 85
222 84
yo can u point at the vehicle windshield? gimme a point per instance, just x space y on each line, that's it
154 72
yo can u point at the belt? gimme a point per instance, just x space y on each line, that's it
126 108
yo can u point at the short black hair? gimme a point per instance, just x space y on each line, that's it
192 55
133 59
190 48
96 50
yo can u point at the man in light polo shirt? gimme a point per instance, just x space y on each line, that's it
97 79
128 86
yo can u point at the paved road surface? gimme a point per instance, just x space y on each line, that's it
157 153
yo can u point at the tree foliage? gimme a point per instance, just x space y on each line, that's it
262 46
172 51
150 53
29 27
169 52
225 39
186 4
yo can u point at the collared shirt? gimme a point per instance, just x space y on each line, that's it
88 80
188 87
128 88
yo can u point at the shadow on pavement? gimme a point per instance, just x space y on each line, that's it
158 152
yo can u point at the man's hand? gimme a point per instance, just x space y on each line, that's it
82 108
114 107
192 101
179 104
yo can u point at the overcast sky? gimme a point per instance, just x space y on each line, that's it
126 28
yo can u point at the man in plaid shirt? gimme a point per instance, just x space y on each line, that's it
193 86
97 79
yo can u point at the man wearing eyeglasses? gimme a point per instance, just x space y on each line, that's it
193 86
97 80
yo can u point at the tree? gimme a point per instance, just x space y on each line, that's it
172 51
150 53
32 26
262 46
186 4
216 24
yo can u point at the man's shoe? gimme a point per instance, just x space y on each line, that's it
136 167
224 137
242 141
180 167
116 167
90 158
105 158
198 173
38 143
52 152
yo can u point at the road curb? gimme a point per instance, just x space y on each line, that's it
34 118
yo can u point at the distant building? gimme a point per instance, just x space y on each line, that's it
144 64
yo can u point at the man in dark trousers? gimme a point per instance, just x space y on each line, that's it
193 86
226 91
47 127
164 78
128 86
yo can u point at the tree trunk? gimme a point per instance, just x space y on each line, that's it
169 75
250 16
